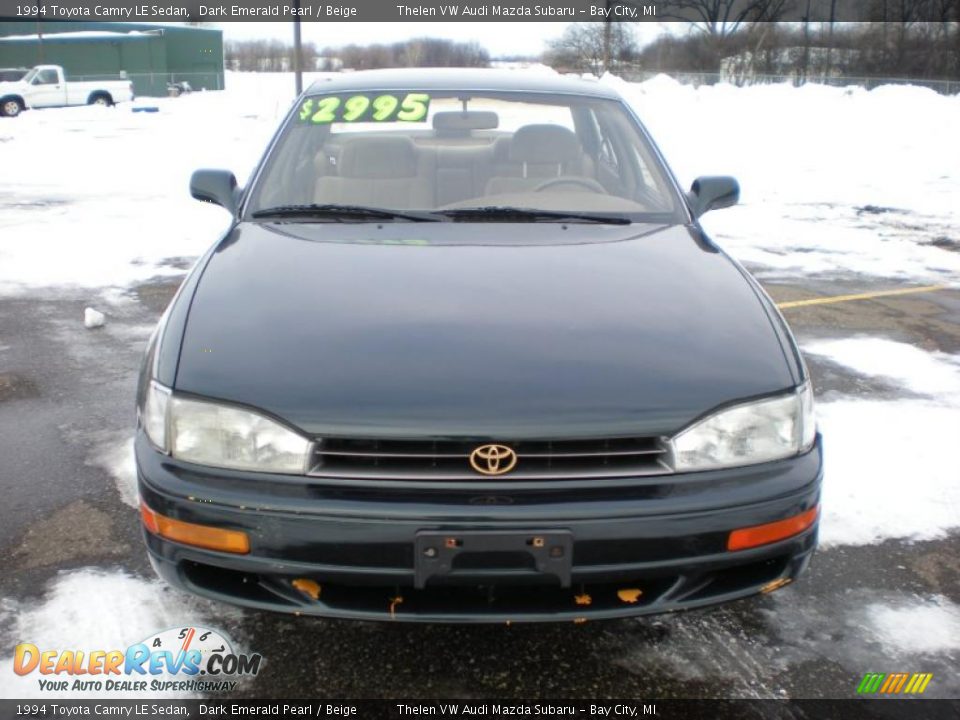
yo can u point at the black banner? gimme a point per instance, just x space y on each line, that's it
729 12
852 709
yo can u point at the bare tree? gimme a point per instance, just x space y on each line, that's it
593 47
267 55
832 21
921 42
720 18
419 52
277 56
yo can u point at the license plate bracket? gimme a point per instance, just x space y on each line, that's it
551 551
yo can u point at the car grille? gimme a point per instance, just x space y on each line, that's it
450 459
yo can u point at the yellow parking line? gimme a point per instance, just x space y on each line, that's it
859 296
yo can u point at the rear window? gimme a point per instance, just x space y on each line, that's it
11 75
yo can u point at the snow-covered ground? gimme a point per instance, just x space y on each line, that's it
127 609
837 183
875 449
95 197
835 180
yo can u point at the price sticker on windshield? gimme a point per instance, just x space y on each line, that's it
324 110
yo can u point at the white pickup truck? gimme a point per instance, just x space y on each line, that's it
46 86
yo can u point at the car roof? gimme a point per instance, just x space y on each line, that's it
465 79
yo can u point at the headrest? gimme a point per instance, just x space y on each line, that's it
544 144
378 156
454 121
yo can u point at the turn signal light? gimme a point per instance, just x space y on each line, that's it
204 536
772 532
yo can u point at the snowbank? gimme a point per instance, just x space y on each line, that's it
891 469
835 180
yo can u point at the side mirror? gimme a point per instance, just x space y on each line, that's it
216 186
712 192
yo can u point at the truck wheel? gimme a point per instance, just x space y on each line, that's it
102 100
11 107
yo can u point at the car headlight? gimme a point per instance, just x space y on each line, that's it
755 432
208 433
153 416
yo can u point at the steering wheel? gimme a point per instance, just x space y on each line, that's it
584 182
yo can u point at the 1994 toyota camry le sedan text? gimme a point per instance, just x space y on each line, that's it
466 355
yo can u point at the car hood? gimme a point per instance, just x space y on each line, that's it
513 331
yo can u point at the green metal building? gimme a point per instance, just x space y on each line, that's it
149 55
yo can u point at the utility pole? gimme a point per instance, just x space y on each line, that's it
805 73
297 69
833 16
607 33
40 39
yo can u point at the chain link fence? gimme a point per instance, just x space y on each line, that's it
156 83
944 87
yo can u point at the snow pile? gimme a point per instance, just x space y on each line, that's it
77 34
891 469
117 458
93 318
128 609
834 180
929 627
927 373
524 65
100 195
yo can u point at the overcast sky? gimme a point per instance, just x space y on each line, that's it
500 38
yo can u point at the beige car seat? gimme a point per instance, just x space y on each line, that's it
382 171
536 154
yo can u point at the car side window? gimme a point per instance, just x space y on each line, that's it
46 77
649 183
623 164
608 156
611 169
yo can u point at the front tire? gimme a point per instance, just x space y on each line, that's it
11 107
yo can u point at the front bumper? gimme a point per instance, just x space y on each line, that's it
664 536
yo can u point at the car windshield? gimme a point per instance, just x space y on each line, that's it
508 156
30 76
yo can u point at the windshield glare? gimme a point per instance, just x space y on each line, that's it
416 150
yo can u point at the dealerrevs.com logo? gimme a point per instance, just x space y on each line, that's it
190 659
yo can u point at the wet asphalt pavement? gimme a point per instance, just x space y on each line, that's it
66 409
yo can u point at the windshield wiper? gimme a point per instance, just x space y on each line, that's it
519 214
340 212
